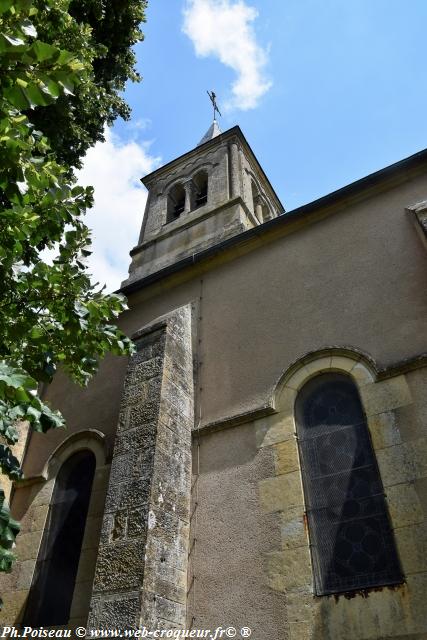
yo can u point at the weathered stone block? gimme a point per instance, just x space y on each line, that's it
386 395
38 517
298 378
25 574
318 365
167 526
281 492
286 401
274 429
13 607
176 411
136 464
142 414
137 523
119 526
342 363
403 462
384 430
140 437
286 454
119 566
412 546
150 344
404 505
27 545
300 606
146 369
166 580
156 607
362 375
302 631
141 409
43 493
293 528
160 550
120 611
393 465
132 494
289 569
170 442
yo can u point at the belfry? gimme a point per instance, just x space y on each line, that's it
210 194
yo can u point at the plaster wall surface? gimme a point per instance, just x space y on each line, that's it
233 534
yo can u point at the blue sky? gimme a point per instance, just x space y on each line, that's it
324 91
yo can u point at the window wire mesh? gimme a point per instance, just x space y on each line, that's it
351 540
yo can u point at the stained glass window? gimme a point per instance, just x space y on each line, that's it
351 539
52 590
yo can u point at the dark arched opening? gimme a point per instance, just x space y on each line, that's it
176 202
352 543
200 181
52 590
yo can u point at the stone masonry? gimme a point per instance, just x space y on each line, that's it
141 571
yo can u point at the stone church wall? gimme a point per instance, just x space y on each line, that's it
352 279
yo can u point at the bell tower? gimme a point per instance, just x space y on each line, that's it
215 191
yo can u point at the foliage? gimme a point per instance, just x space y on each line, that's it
50 313
102 32
8 531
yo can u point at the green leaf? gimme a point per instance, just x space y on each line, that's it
44 51
15 377
65 57
5 6
16 96
36 332
33 413
65 80
49 86
36 97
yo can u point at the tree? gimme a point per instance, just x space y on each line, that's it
104 33
50 313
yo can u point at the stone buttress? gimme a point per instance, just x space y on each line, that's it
141 571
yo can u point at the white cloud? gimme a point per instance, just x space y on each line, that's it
223 28
114 169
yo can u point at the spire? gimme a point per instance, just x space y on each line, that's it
211 133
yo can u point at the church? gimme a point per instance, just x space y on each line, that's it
259 465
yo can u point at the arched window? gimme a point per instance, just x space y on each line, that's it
255 199
200 181
260 208
176 202
52 590
351 540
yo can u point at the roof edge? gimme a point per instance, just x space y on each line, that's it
306 210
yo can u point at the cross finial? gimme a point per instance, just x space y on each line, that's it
212 96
